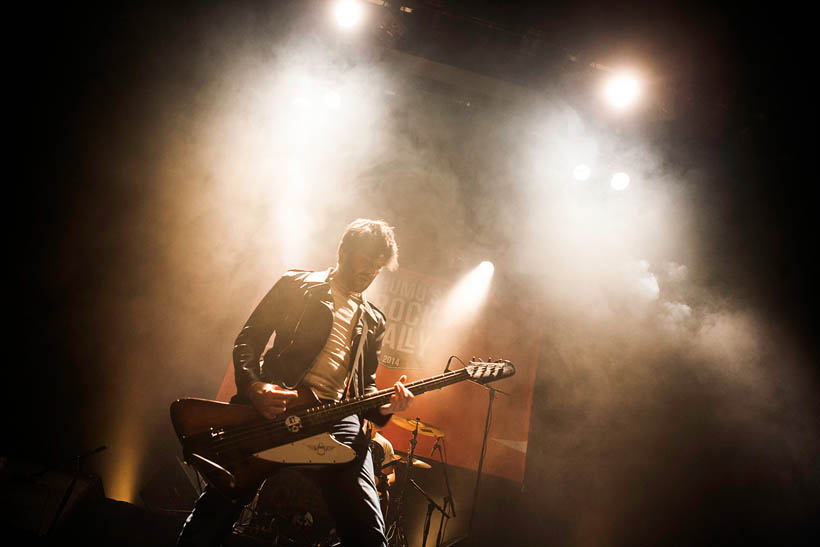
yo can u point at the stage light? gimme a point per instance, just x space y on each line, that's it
348 13
620 181
581 172
485 269
622 90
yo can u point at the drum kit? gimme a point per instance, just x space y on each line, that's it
289 508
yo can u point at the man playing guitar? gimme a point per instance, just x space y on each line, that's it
327 338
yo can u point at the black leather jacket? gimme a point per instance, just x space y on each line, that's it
299 309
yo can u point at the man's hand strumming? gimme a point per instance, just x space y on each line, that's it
269 399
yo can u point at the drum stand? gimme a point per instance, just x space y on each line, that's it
396 536
448 500
430 506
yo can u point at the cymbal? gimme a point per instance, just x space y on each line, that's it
410 425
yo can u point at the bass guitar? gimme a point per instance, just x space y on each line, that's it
236 449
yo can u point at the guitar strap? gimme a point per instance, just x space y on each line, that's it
357 370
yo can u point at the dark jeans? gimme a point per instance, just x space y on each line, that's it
348 489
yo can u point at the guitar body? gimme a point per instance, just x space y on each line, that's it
239 475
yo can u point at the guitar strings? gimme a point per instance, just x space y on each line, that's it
345 408
312 416
258 431
320 411
316 414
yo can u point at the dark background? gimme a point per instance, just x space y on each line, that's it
738 84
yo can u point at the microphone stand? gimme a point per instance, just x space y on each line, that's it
70 489
492 391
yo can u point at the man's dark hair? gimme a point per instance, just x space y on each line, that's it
375 238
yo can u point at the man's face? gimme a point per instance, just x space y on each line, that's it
357 270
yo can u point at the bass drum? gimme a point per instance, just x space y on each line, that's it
288 509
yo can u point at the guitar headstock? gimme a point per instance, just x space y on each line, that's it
489 371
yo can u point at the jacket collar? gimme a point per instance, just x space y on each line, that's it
318 277
323 277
